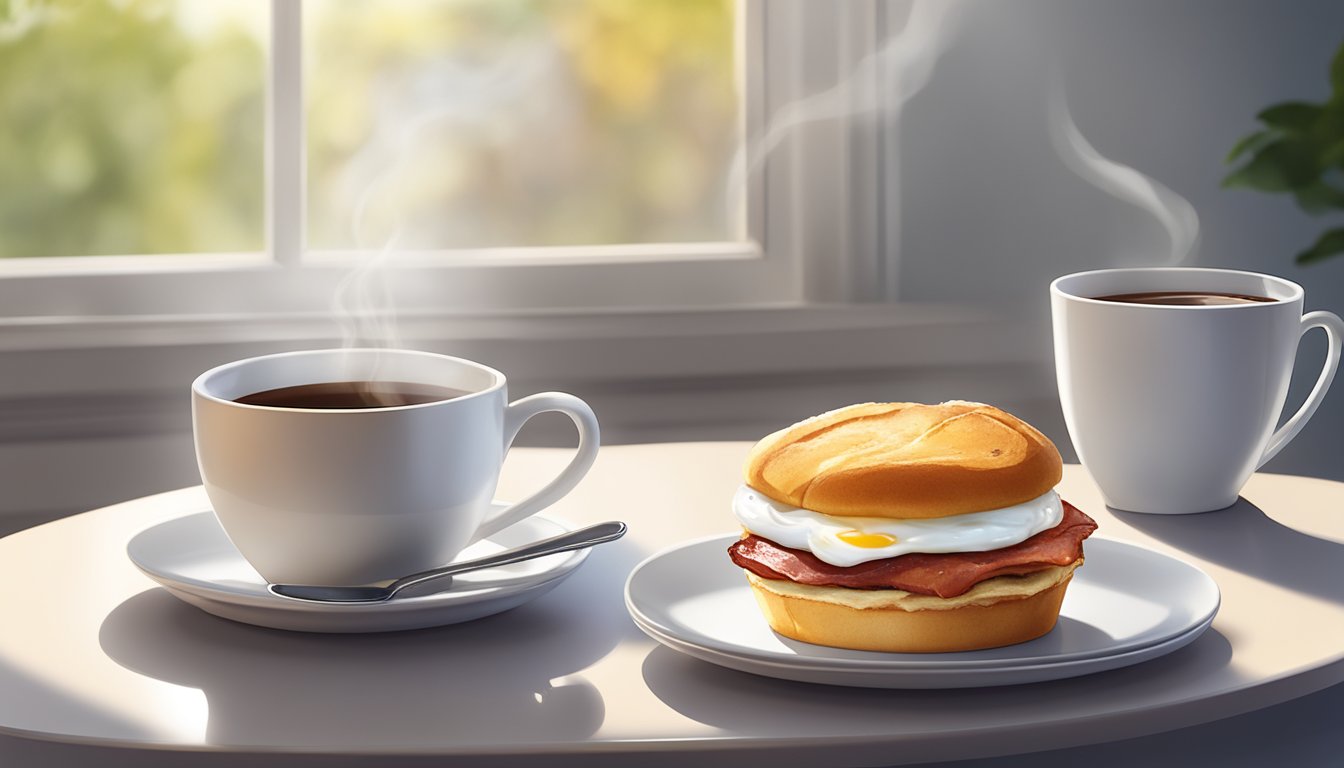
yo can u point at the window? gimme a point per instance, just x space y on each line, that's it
496 154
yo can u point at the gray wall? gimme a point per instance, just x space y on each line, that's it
990 213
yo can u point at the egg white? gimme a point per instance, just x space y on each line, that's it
817 533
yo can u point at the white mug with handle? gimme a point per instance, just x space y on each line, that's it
1172 407
345 496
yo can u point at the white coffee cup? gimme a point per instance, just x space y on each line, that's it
1171 408
336 497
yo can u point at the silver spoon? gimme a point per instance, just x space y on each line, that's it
580 539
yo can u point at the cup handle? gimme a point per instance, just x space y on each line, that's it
1334 330
515 415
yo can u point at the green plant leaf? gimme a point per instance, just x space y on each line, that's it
1282 166
1333 156
1250 143
1329 244
1329 127
1291 116
1320 198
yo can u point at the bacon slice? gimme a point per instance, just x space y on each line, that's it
944 575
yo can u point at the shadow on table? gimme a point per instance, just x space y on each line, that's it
754 705
510 676
1243 538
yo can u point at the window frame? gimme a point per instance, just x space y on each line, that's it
813 215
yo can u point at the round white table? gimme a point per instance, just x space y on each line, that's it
100 666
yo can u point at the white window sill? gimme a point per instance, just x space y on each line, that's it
566 344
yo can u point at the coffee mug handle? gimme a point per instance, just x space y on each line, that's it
1334 331
518 412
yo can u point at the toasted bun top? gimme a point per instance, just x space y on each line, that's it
906 460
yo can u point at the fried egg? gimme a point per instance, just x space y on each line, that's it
848 541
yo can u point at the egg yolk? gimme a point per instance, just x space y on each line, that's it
866 540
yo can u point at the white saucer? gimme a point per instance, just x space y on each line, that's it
194 560
1127 604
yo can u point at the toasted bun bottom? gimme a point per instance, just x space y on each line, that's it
967 624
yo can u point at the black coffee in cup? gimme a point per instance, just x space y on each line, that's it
1184 298
335 395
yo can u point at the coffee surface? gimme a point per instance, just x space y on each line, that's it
335 395
1184 298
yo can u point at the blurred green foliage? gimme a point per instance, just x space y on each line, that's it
124 133
1300 151
520 122
137 126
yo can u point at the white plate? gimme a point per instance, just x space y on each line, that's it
1125 605
194 560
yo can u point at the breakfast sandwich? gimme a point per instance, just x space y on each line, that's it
908 528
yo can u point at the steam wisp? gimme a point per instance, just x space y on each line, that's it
1174 213
881 82
463 97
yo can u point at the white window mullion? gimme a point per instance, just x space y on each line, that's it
823 181
285 150
751 72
